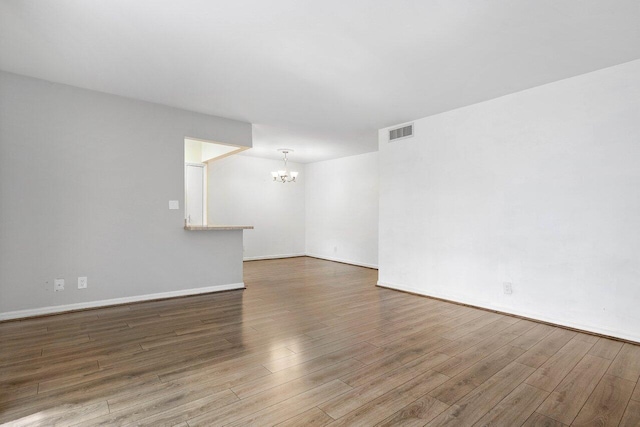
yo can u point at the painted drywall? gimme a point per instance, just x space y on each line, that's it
200 151
85 181
241 191
342 209
211 151
538 189
192 151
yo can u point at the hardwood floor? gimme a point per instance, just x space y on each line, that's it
310 343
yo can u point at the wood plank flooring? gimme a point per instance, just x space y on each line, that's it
310 343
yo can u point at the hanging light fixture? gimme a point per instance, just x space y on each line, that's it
285 175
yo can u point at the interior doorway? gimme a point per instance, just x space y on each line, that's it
195 194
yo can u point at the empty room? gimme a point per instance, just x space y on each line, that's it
320 213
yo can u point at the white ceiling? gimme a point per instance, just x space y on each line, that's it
318 76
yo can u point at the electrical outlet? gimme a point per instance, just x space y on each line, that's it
508 288
82 283
58 285
335 249
174 204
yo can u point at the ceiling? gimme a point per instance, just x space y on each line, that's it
319 77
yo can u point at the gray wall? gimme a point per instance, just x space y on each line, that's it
85 180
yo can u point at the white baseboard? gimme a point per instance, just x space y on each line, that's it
257 258
519 313
19 314
344 261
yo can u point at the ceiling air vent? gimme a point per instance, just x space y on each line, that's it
401 133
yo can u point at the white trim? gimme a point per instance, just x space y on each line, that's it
529 315
205 191
344 261
205 194
19 314
257 258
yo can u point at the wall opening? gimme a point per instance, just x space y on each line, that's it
198 153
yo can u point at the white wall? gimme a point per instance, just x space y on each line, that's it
200 151
211 150
333 205
241 191
85 180
342 209
539 188
192 151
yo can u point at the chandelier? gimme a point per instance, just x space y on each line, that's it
284 175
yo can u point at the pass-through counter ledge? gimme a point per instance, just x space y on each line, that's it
217 227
